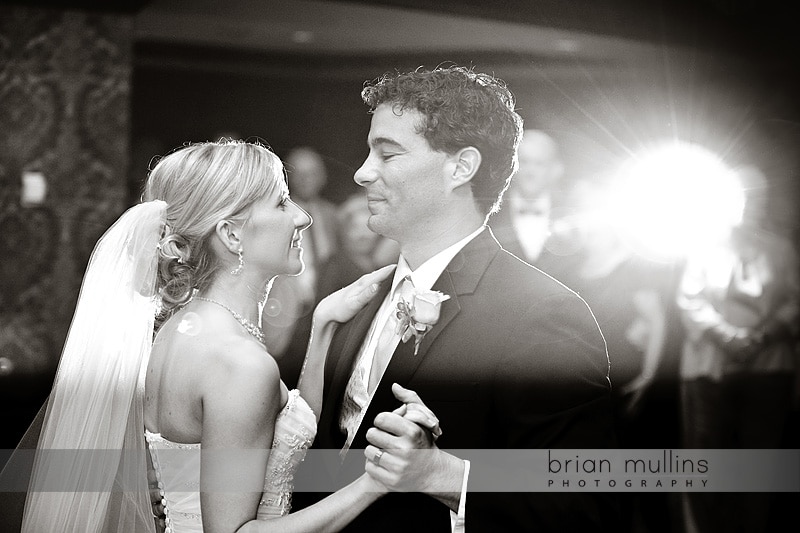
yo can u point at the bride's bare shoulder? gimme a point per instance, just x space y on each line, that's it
238 355
211 346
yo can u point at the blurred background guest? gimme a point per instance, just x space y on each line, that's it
628 295
361 250
739 303
308 176
286 317
524 223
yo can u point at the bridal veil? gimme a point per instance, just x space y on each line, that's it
90 470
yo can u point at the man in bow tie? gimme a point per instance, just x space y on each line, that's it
523 225
509 359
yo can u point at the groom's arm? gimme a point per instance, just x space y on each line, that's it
552 392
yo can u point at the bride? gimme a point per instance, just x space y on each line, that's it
216 225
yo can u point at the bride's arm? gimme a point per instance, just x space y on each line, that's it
312 376
241 398
339 307
328 515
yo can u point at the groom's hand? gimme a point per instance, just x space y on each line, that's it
407 453
404 457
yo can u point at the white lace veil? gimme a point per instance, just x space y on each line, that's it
90 468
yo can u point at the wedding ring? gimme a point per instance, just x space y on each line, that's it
377 459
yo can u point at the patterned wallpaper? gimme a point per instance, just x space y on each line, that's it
64 111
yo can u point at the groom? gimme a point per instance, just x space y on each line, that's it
515 360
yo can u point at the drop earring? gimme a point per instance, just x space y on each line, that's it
238 270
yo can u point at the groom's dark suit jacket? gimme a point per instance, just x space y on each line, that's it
516 361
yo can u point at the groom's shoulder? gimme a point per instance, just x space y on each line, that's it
512 287
515 275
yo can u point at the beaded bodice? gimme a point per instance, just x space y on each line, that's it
178 474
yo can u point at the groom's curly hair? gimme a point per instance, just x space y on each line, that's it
461 108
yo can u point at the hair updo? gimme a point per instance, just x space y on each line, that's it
202 184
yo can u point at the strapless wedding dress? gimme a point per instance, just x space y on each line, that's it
179 474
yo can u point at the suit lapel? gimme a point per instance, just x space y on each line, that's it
460 277
404 362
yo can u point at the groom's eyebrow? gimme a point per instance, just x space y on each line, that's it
385 141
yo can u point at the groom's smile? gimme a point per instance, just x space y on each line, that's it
373 202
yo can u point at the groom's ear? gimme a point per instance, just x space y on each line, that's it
465 164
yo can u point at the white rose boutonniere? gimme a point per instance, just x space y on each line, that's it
419 315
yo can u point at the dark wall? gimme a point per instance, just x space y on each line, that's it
174 106
64 102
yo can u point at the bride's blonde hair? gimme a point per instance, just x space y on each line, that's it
203 183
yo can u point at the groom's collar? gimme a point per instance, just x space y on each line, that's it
468 265
428 272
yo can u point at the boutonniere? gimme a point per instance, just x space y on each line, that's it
419 315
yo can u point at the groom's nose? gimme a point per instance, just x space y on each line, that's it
366 173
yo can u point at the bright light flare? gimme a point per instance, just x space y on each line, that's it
675 200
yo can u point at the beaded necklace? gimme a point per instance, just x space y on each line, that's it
251 328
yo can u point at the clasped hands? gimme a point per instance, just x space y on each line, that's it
402 454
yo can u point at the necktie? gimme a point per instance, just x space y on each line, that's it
389 337
359 390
